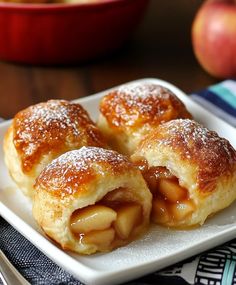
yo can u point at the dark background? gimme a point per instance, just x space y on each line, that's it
160 48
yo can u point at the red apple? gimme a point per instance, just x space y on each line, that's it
214 37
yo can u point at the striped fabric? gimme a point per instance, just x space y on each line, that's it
220 99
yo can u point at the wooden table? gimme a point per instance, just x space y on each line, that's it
160 48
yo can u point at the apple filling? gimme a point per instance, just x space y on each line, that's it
171 202
107 223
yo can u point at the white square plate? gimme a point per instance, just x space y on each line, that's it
157 249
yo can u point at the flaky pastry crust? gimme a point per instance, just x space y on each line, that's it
128 113
203 162
43 131
80 178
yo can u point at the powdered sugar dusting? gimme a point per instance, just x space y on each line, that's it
135 104
81 159
55 112
192 132
142 90
74 168
212 155
137 93
52 126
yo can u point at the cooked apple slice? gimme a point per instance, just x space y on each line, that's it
159 211
92 218
100 238
181 210
171 190
128 217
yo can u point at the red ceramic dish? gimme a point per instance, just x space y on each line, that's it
65 33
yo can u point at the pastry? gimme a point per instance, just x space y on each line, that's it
40 133
190 170
91 199
128 113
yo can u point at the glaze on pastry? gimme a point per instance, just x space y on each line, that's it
91 200
129 113
190 170
43 131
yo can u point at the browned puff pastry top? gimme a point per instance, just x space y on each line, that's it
213 156
132 105
52 126
71 172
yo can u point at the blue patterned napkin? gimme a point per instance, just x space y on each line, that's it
214 267
220 99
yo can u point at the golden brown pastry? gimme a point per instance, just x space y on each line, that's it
129 113
190 170
40 133
91 200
